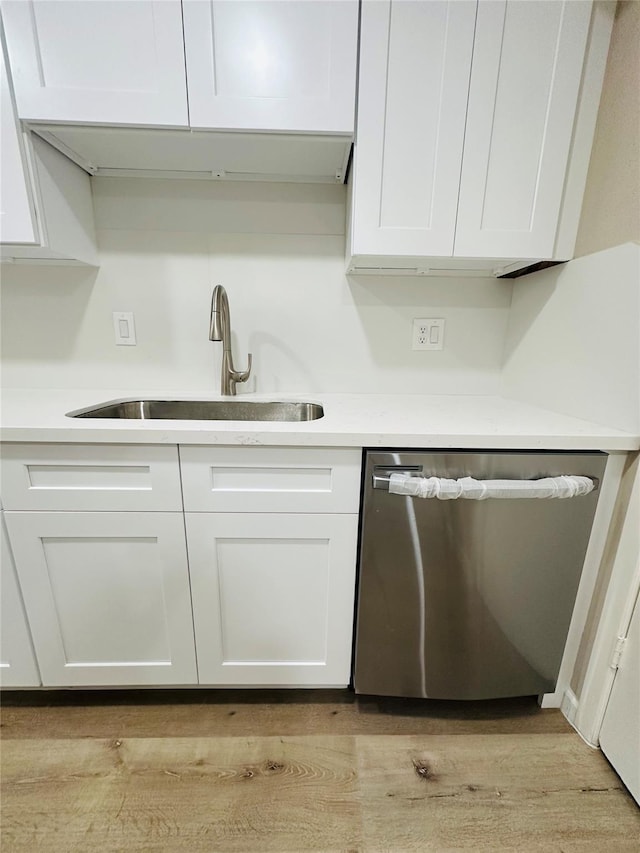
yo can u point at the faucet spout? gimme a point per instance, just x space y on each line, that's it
220 330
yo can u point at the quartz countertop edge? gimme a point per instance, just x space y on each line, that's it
350 420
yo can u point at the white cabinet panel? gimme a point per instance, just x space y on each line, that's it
98 62
312 158
18 667
91 477
270 479
107 596
620 732
273 597
415 61
61 193
17 216
46 211
273 66
527 68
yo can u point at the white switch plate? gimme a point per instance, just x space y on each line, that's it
125 328
428 334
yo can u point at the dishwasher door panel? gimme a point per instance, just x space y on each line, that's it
464 599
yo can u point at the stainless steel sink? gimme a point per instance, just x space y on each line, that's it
203 410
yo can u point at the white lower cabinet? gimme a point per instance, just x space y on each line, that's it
18 667
264 597
272 534
273 597
107 596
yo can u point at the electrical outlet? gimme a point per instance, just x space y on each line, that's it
428 334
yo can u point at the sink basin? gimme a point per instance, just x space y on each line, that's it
203 410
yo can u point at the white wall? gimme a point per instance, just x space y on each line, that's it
279 251
611 205
573 342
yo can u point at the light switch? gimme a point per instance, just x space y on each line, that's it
125 328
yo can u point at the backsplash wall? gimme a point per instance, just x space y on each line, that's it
279 251
573 343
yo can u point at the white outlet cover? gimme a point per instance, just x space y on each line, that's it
125 328
428 334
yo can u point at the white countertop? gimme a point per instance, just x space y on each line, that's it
350 420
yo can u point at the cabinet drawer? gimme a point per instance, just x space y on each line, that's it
270 479
90 477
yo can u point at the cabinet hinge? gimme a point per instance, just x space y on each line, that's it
617 652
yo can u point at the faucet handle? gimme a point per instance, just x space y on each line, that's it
242 375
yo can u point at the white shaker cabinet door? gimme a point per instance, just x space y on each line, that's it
272 65
273 597
107 596
17 222
527 68
415 61
18 666
97 61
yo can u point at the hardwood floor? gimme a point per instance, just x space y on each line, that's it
301 771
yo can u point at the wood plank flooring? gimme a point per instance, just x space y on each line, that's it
301 771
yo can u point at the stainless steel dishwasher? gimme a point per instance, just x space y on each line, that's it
468 599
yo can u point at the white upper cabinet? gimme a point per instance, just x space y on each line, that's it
46 211
271 65
527 66
415 61
98 62
105 82
258 65
17 216
475 123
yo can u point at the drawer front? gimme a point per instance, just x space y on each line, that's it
270 479
91 477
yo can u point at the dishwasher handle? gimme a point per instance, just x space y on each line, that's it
403 482
382 474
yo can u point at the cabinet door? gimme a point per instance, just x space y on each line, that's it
415 61
97 62
17 223
269 65
18 666
620 732
527 68
273 597
107 596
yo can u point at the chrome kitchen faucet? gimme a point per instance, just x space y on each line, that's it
220 330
